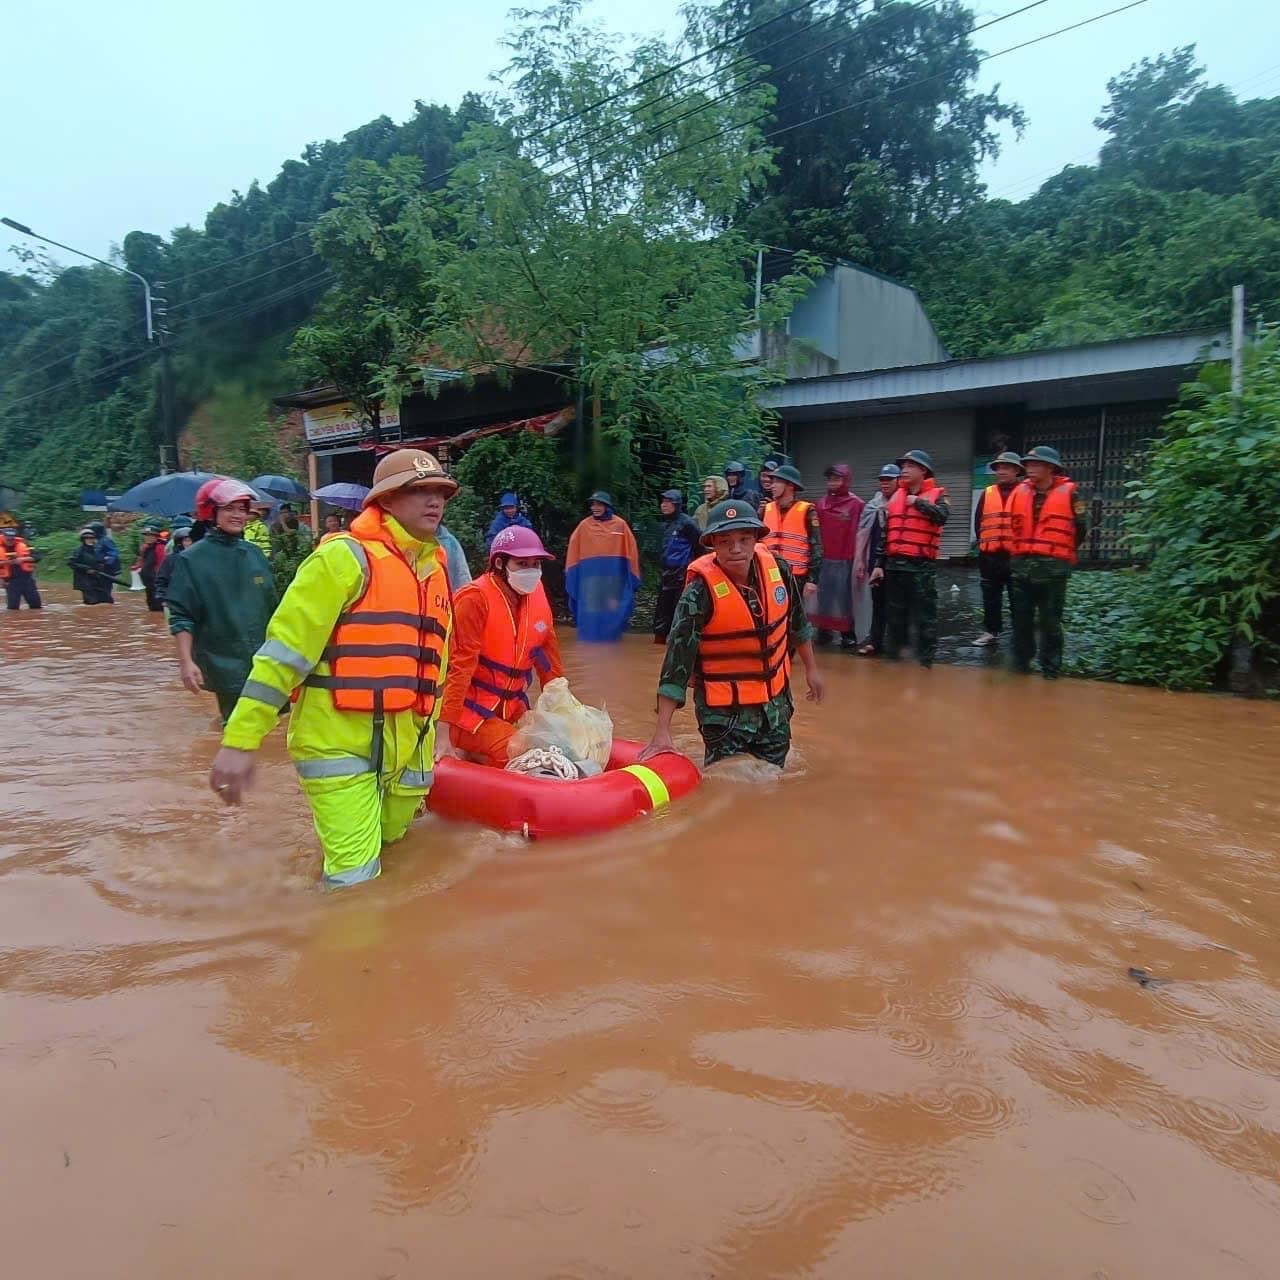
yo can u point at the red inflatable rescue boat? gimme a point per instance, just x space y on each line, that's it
544 807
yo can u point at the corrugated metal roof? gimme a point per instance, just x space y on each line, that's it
969 379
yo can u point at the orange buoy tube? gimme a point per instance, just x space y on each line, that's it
545 807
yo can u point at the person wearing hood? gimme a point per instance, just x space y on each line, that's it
908 565
993 532
507 516
681 542
868 597
151 555
179 541
455 558
256 532
220 596
715 490
839 511
18 570
503 636
602 572
737 488
88 570
361 641
107 549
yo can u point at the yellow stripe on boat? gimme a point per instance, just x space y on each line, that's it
653 784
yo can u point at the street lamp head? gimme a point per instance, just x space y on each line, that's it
17 226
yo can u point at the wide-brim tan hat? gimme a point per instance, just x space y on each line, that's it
406 467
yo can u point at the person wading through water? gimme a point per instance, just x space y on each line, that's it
362 636
740 619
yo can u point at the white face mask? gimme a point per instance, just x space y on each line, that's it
524 581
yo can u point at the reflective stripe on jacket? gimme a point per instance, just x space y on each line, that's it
907 532
995 530
512 647
387 651
743 660
1054 532
789 534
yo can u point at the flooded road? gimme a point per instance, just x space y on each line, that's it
872 1019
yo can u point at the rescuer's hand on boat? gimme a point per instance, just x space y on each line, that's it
232 774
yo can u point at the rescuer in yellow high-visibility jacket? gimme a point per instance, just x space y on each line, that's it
361 640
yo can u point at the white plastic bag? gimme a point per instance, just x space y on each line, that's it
558 719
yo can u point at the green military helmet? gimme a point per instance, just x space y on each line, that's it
1008 456
729 515
1044 453
789 475
919 457
152 525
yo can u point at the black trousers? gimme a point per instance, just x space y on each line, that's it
876 638
21 586
665 610
994 571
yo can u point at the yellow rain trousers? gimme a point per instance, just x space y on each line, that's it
355 810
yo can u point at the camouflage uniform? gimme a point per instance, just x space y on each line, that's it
1038 584
911 593
763 730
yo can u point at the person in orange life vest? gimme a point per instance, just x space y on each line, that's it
912 539
17 570
795 534
993 532
503 635
739 621
1049 522
361 638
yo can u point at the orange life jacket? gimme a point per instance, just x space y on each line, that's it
1054 533
742 661
995 530
510 650
386 652
907 532
789 534
21 557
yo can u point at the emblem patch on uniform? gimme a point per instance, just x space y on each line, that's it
424 464
722 589
779 594
731 513
539 625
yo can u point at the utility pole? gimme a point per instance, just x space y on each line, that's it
1237 343
152 308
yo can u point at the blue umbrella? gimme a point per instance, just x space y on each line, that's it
285 488
348 496
171 495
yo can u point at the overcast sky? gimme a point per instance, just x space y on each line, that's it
137 115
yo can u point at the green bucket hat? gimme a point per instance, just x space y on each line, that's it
919 457
726 516
1043 453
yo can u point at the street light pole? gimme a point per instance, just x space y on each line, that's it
146 284
154 333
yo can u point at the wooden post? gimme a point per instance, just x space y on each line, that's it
312 486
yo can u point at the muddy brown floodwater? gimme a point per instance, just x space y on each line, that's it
873 1018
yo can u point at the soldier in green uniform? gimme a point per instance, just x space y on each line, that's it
914 517
742 603
1049 522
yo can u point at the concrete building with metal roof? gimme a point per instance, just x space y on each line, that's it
1098 404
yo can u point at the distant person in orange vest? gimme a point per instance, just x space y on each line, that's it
993 531
17 570
908 562
795 534
503 636
1050 520
737 625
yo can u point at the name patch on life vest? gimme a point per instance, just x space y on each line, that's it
721 589
779 594
775 574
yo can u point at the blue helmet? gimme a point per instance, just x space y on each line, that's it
890 471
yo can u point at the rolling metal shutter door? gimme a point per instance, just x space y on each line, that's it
866 444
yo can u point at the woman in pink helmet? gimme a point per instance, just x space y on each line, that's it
503 635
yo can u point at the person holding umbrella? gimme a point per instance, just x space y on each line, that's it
220 596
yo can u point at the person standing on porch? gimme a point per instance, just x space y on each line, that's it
993 530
